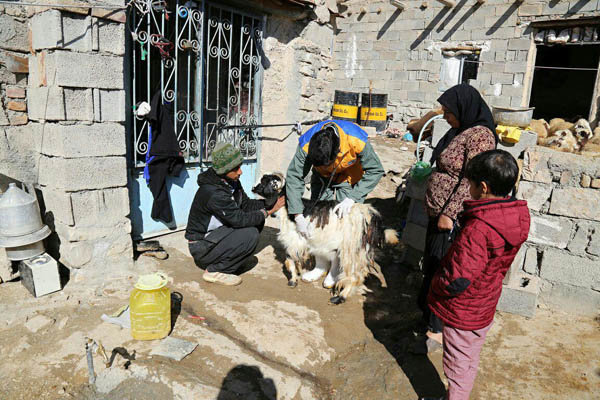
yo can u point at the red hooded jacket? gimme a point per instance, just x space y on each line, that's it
466 289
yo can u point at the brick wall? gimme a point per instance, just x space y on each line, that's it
400 52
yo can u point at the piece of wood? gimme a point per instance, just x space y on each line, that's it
481 1
448 3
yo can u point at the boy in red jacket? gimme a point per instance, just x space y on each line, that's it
465 291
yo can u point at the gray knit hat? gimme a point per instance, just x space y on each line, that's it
225 158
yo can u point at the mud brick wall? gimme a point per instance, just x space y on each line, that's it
63 123
400 51
563 248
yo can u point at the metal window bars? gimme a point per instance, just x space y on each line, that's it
205 59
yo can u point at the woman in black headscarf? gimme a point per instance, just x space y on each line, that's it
472 132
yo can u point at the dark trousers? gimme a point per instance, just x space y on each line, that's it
229 253
437 244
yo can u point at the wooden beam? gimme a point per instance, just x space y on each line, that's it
448 3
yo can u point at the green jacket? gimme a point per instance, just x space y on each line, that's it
299 169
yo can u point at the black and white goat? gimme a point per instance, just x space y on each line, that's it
344 246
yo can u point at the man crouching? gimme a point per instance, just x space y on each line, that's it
224 224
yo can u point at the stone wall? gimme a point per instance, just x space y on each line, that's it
563 249
66 126
298 84
400 51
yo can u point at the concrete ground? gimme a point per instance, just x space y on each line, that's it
262 340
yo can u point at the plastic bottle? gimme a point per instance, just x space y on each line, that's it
150 307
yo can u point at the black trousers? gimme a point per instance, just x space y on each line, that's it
437 244
229 253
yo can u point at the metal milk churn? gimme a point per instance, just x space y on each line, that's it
21 226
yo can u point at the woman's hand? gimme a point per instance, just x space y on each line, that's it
280 203
445 223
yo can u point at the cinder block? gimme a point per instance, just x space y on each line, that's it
550 231
59 204
86 70
520 296
83 173
46 103
111 37
77 32
109 105
417 213
75 141
92 233
576 203
79 104
46 30
570 299
536 194
563 267
528 139
414 235
519 44
100 208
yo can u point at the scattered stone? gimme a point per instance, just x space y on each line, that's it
62 323
38 322
595 183
565 177
174 348
585 181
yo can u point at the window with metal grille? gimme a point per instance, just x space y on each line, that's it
205 59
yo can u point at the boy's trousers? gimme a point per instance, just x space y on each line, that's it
461 359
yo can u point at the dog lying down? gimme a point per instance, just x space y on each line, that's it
343 248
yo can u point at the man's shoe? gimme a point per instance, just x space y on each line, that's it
221 278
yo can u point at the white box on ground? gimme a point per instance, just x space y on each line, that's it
40 275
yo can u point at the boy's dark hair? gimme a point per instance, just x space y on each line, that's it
324 147
497 168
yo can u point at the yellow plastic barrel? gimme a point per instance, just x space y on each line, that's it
345 106
150 307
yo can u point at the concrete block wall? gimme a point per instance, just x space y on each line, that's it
72 144
562 250
399 52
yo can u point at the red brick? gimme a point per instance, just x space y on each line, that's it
15 92
16 106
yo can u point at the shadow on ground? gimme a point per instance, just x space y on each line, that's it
392 314
246 381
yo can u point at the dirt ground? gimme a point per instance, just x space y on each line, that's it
262 340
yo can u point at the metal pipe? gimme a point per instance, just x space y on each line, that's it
90 364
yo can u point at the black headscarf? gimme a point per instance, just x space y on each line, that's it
467 105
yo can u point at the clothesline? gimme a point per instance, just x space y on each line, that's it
536 67
105 7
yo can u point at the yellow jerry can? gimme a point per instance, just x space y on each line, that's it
150 307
